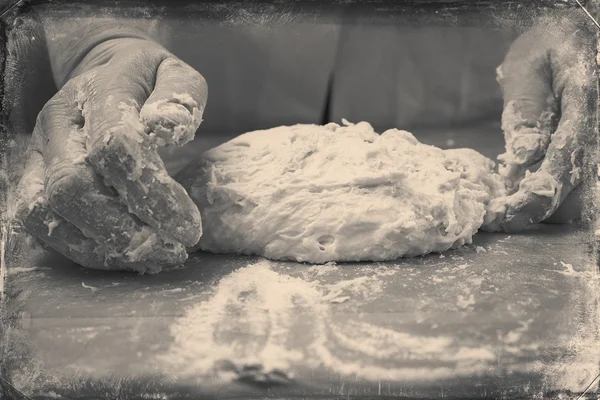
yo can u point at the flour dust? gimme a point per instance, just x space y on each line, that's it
261 322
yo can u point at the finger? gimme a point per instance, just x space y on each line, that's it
530 108
542 192
173 112
126 157
37 217
76 193
52 230
66 239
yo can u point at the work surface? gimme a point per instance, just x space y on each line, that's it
509 316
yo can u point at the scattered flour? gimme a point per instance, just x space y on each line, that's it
260 322
175 290
466 300
92 288
320 270
570 271
365 286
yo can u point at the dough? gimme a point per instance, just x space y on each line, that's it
316 194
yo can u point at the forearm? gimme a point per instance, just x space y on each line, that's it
71 39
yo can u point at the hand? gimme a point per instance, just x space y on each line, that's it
549 80
94 187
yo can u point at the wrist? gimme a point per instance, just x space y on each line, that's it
111 48
76 45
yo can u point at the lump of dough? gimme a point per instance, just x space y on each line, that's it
316 194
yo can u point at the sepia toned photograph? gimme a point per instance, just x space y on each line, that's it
299 199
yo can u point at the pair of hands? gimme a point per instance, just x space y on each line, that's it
96 190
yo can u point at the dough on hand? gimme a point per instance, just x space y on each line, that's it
315 194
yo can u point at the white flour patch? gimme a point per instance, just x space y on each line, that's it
260 323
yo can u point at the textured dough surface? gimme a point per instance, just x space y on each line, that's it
315 194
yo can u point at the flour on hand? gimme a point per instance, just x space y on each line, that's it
316 194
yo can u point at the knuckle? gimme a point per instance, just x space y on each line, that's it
191 74
55 104
63 188
49 109
56 109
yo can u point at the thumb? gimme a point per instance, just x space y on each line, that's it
173 111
